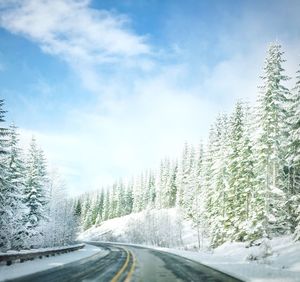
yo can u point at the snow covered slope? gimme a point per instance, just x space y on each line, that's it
165 228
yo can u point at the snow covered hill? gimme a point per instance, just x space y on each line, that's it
269 260
164 228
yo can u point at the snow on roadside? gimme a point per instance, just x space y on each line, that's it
283 265
21 269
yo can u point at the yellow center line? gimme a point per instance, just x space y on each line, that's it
128 278
119 273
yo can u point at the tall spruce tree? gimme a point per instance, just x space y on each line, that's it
216 181
35 190
268 211
4 185
196 211
240 175
189 186
293 158
16 231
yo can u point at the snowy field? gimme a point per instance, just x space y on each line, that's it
274 260
20 269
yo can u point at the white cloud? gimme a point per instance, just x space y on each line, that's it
82 36
72 29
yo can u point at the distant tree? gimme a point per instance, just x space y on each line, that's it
106 204
183 172
172 187
77 210
99 207
137 193
163 186
128 198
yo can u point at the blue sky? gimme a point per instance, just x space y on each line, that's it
110 87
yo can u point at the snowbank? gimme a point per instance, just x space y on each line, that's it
233 258
21 269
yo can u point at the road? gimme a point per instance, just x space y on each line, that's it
130 263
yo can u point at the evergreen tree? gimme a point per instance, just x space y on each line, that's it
3 132
196 210
86 214
268 211
216 180
208 173
128 198
16 231
163 185
120 208
172 187
182 175
100 206
94 208
77 208
4 185
35 190
149 190
138 193
106 204
292 167
189 185
240 175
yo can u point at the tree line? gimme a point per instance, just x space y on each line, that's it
242 185
34 210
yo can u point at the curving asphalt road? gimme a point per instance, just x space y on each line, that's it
130 263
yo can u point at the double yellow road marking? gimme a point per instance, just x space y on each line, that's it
123 268
128 278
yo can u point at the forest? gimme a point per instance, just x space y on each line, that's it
242 184
34 209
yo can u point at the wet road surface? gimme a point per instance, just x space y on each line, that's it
130 263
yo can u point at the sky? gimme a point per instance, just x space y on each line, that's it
110 87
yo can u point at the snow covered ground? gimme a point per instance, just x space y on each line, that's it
233 258
273 260
20 269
